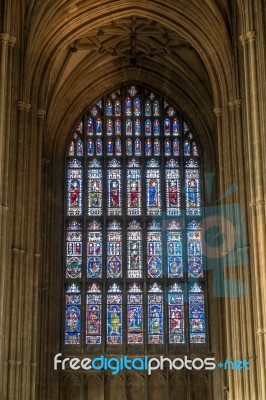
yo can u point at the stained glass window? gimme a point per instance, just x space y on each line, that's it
154 250
134 315
72 314
94 250
94 314
133 264
174 250
75 183
134 250
176 314
196 314
114 315
114 250
155 315
74 250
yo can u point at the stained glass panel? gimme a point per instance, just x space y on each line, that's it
134 250
129 147
137 108
137 126
176 314
117 108
148 147
134 315
154 250
153 188
114 250
175 127
196 314
155 315
156 147
99 127
137 147
128 106
176 148
167 127
114 188
128 127
72 314
94 250
156 108
95 188
174 250
172 180
109 127
192 188
109 107
93 314
110 147
148 127
194 250
90 147
74 250
156 127
74 177
118 127
90 130
147 108
114 315
133 188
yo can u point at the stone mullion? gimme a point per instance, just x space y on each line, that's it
36 244
257 202
224 272
246 314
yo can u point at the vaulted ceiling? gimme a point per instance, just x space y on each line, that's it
77 50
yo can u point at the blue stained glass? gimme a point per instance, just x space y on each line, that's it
94 188
114 317
173 196
90 147
194 250
137 110
114 189
93 315
153 191
128 127
175 127
99 147
134 317
176 316
129 147
109 107
156 127
118 127
174 255
79 148
109 127
192 188
117 108
137 147
134 250
74 250
155 318
99 127
156 108
137 127
167 127
118 147
114 251
110 147
94 251
128 106
167 147
196 315
187 148
147 108
148 147
148 127
156 147
176 149
90 130
72 315
74 177
134 189
154 251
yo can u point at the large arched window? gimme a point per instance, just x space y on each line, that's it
134 271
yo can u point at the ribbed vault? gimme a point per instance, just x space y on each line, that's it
78 50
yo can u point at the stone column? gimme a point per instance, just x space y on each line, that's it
16 312
257 202
7 45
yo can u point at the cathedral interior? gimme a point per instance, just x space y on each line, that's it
132 197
